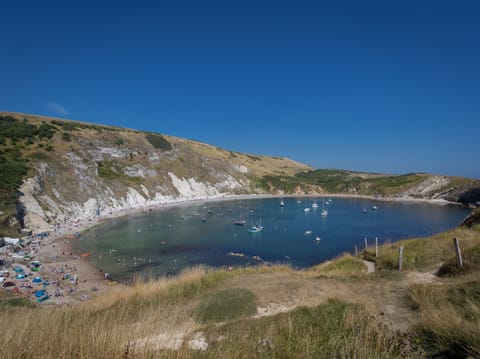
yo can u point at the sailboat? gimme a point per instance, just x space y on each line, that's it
324 212
315 205
282 203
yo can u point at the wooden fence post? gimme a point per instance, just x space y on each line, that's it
458 253
400 258
356 251
366 244
376 247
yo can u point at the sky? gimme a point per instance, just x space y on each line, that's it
379 86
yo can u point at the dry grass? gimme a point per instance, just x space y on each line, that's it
449 316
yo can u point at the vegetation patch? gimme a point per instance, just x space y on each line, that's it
254 158
341 181
158 141
15 302
287 184
226 305
109 170
114 171
345 266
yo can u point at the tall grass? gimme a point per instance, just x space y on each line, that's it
449 316
330 330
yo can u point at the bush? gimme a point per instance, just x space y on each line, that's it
66 137
158 141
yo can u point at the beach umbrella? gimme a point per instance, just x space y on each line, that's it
35 269
20 276
37 280
18 270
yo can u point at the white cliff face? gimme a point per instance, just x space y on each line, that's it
34 214
42 211
240 168
139 171
428 187
191 189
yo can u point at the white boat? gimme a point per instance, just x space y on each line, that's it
255 228
374 208
282 203
306 209
324 212
307 233
315 205
318 239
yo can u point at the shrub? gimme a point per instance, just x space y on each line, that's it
158 141
66 137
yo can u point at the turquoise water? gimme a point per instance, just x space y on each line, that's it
165 241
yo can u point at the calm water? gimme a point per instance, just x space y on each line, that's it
165 241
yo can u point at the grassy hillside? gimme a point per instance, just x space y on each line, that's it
335 309
75 161
416 185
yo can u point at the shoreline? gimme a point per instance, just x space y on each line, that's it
58 257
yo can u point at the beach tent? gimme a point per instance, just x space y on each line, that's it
13 241
37 280
8 284
42 298
40 292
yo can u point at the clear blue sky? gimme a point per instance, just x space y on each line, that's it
383 86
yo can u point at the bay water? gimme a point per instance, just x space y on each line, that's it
167 240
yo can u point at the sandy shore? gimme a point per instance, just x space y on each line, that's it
73 278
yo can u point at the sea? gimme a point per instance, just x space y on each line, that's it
165 241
